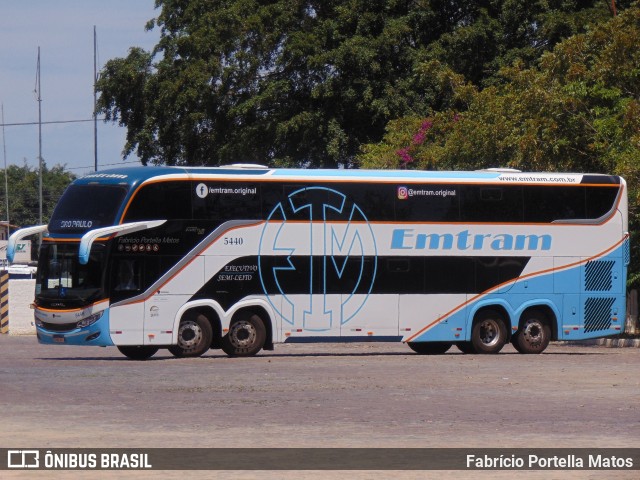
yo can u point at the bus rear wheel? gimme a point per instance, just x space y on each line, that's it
489 333
429 348
246 336
194 336
138 352
533 335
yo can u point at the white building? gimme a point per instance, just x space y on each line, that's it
23 247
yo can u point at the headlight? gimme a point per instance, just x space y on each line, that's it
85 322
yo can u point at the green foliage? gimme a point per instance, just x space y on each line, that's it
23 183
294 82
578 109
432 84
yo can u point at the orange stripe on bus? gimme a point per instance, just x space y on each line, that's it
73 309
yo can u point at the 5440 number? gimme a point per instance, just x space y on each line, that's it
233 241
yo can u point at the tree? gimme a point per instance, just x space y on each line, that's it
577 110
294 82
24 203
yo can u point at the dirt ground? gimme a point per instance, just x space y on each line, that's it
319 395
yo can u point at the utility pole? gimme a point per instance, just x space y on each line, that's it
39 99
6 182
95 102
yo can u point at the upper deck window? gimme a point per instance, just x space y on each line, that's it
87 207
161 200
557 204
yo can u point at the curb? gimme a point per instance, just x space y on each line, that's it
609 342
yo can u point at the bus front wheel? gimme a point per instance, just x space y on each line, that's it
489 333
194 336
246 336
138 353
466 347
429 348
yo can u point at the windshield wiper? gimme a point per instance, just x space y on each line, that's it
91 296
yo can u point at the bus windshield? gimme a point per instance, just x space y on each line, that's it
62 277
86 207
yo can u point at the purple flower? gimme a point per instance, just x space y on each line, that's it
403 153
426 126
419 137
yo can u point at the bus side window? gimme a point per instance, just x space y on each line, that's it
221 201
126 278
427 203
545 204
600 201
126 273
491 204
166 201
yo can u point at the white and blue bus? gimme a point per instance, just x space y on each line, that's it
243 257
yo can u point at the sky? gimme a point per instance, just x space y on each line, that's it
63 29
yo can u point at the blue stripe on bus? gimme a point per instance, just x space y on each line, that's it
382 174
134 175
569 307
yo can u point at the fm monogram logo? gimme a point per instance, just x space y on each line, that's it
317 258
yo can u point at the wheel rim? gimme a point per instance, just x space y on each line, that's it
532 332
189 335
242 334
489 332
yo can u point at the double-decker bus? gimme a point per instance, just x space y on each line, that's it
243 257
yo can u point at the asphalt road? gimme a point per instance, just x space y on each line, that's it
318 395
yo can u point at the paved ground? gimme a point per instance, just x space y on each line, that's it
321 395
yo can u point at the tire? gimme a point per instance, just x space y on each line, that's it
466 347
514 342
138 352
246 336
534 333
489 333
194 336
429 348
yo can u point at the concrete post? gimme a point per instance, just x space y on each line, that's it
631 326
4 302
